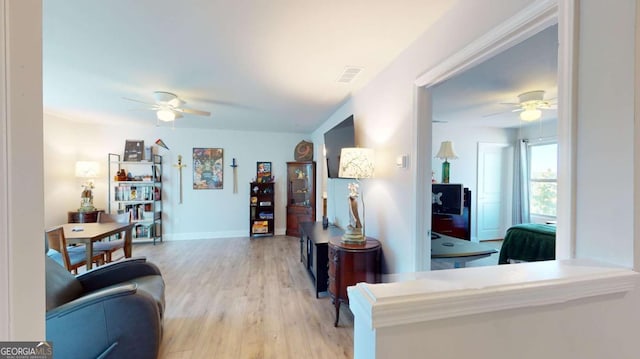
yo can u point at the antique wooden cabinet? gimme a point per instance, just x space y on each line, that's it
350 264
301 195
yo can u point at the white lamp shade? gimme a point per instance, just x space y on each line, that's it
87 169
356 163
446 151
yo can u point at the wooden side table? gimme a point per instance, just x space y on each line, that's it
350 264
83 217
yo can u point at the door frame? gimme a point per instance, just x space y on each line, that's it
529 21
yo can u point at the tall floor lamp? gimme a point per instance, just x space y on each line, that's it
356 163
446 152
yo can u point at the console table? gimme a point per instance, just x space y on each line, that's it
350 264
314 254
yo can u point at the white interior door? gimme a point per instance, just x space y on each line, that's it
494 189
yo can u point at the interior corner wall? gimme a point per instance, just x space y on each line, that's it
605 160
383 113
203 214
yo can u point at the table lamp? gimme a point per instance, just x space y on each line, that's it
446 152
87 170
355 163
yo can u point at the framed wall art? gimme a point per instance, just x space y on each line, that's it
208 168
263 174
133 150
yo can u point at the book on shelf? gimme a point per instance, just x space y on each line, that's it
260 227
265 215
128 192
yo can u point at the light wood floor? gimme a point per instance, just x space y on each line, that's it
242 298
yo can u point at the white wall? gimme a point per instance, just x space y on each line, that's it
539 130
605 143
21 183
597 327
203 213
383 113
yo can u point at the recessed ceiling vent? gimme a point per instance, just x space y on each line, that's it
350 73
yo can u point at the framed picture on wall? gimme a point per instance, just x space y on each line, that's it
133 150
263 174
208 168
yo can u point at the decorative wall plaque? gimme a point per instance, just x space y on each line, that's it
303 151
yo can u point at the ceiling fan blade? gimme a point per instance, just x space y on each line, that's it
139 101
193 112
495 114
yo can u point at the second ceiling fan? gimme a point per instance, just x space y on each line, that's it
530 105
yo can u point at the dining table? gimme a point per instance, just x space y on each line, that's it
87 233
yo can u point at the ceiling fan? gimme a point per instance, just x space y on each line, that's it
168 106
530 105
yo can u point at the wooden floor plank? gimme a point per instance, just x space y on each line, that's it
244 298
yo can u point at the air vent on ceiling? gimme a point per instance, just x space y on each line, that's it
349 74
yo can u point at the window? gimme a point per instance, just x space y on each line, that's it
543 181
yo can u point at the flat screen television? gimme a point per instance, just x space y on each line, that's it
447 198
340 136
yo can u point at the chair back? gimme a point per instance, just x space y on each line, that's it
114 218
57 241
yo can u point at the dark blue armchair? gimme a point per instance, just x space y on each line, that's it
113 311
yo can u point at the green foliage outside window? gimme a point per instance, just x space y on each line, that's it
543 188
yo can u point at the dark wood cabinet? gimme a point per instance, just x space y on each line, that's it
350 264
262 209
83 217
314 242
453 225
301 195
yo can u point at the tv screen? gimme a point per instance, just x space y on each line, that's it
447 198
340 136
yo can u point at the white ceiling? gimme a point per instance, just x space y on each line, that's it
254 64
477 97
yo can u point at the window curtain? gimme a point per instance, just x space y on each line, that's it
521 183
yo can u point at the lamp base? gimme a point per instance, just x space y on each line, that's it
87 209
445 171
353 235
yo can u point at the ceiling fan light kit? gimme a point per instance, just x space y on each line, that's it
531 102
530 113
168 106
166 115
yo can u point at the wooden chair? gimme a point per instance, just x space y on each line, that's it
71 258
110 246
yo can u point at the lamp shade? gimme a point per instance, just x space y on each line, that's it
87 169
446 151
356 163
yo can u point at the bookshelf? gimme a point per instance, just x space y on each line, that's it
261 209
136 187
